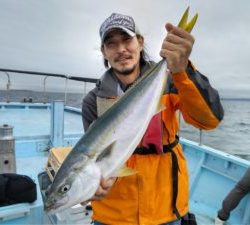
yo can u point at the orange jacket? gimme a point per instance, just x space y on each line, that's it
146 197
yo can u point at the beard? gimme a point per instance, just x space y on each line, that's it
125 71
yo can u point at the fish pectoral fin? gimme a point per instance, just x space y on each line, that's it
106 152
125 171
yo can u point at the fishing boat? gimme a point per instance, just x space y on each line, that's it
36 127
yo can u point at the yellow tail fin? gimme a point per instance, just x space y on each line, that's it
184 24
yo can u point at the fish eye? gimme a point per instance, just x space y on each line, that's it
65 188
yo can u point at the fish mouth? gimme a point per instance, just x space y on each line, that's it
51 209
52 206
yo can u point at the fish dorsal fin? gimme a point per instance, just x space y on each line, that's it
125 171
106 152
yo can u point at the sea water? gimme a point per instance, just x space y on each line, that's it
231 136
233 133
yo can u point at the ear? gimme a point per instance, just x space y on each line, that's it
103 51
141 42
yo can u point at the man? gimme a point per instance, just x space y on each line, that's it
231 201
158 193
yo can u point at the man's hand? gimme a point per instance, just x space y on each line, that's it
176 48
103 189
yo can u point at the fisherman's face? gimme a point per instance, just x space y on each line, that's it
122 51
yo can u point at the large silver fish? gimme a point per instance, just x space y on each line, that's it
108 143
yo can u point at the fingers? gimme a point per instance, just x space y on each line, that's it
176 44
178 32
100 193
173 59
181 47
176 48
108 183
104 188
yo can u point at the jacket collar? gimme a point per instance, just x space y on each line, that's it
108 86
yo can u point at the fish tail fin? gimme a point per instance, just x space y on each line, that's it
184 18
184 24
191 24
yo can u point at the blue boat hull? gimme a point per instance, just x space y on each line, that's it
212 175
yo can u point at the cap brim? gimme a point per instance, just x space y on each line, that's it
129 32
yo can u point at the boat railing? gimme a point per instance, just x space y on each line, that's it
45 98
46 75
66 84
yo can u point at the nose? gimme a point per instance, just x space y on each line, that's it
121 47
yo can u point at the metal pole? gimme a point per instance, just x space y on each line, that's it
8 87
200 141
57 123
65 91
44 89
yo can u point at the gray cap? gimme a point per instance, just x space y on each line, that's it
118 21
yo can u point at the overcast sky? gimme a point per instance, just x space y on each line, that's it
61 36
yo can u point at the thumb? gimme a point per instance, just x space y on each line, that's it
169 27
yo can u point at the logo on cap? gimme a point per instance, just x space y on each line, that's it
126 23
